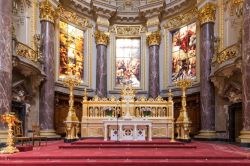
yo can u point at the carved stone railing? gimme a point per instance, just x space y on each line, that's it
26 51
158 108
227 54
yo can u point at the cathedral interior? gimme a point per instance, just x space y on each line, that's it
164 69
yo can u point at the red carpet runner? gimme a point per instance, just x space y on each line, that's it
94 152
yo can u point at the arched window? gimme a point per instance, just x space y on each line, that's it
71 50
184 53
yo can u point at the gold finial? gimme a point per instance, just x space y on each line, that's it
207 13
128 91
47 12
154 38
101 38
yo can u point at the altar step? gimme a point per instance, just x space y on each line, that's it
126 144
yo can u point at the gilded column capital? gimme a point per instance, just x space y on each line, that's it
207 13
154 38
47 12
101 38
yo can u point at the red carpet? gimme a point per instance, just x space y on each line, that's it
198 154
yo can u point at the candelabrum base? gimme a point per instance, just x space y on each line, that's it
9 150
70 140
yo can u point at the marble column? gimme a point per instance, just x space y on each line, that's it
245 132
5 61
154 40
207 17
102 41
47 93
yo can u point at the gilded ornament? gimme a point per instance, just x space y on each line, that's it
207 13
182 19
47 12
128 30
10 120
26 52
73 18
227 54
101 38
154 38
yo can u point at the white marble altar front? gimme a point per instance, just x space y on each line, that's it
127 129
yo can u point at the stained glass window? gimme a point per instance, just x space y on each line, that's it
184 53
71 49
128 61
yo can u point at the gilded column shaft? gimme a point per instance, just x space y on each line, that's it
102 41
153 41
5 56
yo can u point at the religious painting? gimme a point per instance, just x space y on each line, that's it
128 62
184 53
71 50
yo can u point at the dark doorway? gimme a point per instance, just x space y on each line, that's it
235 121
20 111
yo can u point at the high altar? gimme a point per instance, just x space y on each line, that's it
99 117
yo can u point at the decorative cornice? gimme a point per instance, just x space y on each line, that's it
127 30
207 13
47 12
154 38
101 38
73 18
182 19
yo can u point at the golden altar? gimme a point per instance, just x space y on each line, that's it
94 113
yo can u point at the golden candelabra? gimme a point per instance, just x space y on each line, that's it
72 122
183 123
10 120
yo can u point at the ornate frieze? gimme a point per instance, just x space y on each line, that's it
207 13
154 38
25 51
101 38
227 54
128 30
47 12
182 19
73 18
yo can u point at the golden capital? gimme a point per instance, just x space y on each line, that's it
101 38
47 12
207 13
154 38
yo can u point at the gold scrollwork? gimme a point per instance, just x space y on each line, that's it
227 54
26 52
47 12
101 38
182 19
207 13
154 38
128 30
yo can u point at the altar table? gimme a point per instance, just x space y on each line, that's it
127 129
